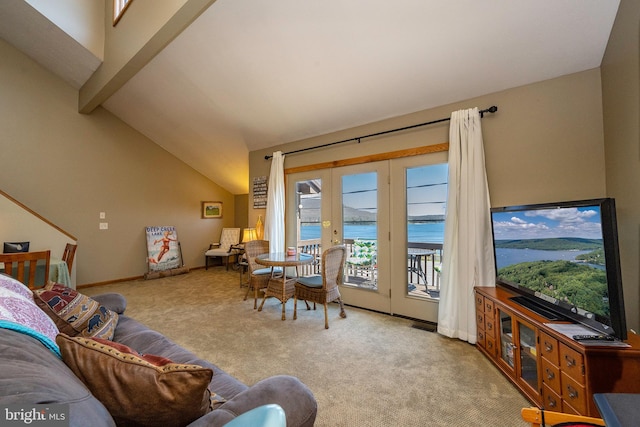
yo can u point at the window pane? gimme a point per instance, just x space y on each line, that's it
360 228
426 196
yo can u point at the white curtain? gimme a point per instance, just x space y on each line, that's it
274 220
468 248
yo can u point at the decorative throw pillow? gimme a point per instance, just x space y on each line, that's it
75 313
136 389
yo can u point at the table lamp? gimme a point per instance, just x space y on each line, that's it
248 235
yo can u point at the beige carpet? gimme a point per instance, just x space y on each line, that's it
369 369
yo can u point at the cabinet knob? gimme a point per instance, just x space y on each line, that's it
548 347
570 361
573 393
552 402
550 374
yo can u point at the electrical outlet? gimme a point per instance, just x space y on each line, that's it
104 226
103 215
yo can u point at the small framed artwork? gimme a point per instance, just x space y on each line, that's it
211 209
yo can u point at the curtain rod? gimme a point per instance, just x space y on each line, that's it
491 109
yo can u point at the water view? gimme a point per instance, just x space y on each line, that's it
424 232
506 257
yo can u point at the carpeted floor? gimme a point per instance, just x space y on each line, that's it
369 369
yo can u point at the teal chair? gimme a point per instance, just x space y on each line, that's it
271 415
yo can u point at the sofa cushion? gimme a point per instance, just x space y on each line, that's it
136 335
12 284
31 374
113 301
138 389
75 313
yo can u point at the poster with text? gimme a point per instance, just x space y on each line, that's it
163 248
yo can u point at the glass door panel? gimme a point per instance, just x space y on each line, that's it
426 191
507 344
308 225
418 195
360 229
360 221
528 356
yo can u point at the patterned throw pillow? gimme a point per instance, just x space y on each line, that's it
137 389
75 313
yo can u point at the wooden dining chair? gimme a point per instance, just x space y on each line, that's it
323 288
25 264
69 254
541 418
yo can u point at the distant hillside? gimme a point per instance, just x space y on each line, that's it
556 244
427 218
311 213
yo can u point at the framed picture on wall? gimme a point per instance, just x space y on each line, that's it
211 209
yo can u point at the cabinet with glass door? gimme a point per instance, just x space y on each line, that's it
518 352
507 341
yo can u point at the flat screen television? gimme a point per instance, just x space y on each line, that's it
562 260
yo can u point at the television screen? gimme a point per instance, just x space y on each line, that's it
563 257
14 247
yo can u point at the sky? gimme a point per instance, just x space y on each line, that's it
581 222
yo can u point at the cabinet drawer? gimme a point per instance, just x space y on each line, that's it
549 348
479 303
488 306
551 400
489 325
572 364
573 393
490 344
481 338
551 375
480 319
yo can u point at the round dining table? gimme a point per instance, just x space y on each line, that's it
279 285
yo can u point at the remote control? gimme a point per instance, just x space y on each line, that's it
593 338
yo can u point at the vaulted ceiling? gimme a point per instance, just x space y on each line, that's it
251 74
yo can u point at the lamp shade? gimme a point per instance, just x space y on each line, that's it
248 235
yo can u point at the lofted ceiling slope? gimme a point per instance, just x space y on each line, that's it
250 74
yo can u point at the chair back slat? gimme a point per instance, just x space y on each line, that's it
69 254
24 260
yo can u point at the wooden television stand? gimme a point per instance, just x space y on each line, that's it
552 370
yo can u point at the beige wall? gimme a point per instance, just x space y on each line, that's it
68 167
621 101
544 144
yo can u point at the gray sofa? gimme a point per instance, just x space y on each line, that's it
31 374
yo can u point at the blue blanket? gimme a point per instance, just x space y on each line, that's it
45 340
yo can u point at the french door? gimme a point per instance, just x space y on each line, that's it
418 195
375 209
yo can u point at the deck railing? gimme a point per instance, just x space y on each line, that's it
314 248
